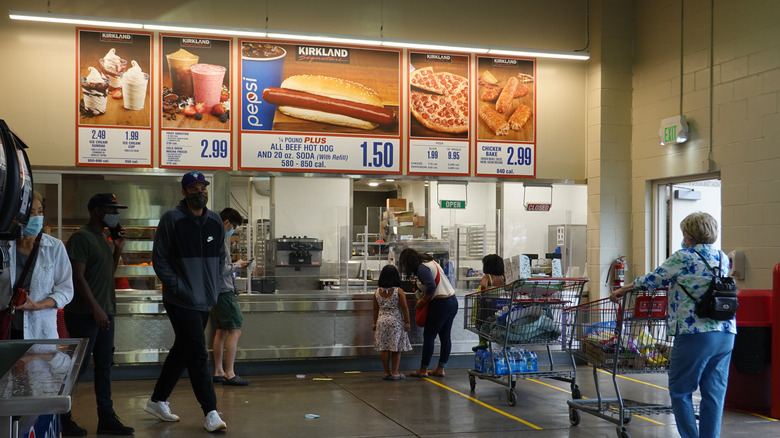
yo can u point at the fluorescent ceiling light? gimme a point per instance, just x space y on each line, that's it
324 39
302 36
434 47
73 19
206 30
373 184
389 180
541 54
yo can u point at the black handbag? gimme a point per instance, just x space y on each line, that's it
719 301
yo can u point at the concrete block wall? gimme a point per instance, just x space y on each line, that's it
717 62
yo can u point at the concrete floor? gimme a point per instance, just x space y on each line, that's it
361 404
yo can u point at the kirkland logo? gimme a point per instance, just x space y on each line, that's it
322 54
438 58
116 37
195 42
504 62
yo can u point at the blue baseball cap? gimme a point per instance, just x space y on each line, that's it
191 178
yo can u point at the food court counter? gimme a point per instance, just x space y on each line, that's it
286 325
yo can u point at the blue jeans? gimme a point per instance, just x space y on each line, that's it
441 314
101 348
700 360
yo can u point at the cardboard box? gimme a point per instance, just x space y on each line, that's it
419 221
396 203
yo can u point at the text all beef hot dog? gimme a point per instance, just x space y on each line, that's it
329 100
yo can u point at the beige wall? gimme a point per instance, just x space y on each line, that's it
728 85
39 60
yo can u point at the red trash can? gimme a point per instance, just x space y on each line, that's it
750 373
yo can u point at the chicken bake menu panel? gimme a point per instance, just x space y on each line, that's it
319 108
114 117
506 117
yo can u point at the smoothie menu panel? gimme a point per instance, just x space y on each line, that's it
195 102
506 117
114 99
347 95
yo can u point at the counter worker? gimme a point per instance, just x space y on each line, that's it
226 314
188 256
91 313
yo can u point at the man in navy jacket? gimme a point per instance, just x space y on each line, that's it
188 255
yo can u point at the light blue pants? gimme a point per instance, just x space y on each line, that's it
700 360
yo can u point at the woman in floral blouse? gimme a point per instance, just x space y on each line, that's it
702 347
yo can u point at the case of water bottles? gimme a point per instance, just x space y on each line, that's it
520 360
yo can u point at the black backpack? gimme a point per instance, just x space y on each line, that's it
719 302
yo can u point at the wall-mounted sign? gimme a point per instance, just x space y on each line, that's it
673 130
537 207
453 204
313 108
113 95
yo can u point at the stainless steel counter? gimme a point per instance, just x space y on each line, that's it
305 324
38 377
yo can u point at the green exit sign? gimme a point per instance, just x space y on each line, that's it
670 134
453 204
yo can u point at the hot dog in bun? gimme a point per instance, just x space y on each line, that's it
331 100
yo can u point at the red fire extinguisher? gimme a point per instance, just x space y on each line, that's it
619 272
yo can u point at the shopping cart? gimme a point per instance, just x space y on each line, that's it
619 338
525 313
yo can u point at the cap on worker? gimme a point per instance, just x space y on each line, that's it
191 178
104 200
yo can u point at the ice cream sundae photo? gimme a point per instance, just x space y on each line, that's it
113 66
94 90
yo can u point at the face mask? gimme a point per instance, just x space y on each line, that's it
229 232
34 226
197 200
111 220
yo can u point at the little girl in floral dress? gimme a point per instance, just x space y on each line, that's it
391 322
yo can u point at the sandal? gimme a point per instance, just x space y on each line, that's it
435 374
418 374
398 377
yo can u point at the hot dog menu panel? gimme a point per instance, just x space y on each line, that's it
113 126
319 108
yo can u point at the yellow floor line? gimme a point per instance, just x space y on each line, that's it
484 404
635 380
586 398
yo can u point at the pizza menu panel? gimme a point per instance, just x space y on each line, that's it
308 107
438 142
114 117
303 107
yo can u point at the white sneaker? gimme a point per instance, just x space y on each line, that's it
213 422
161 410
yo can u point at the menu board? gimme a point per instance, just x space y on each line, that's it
114 117
196 101
439 107
506 117
307 107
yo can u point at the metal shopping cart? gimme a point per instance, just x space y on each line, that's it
625 338
525 313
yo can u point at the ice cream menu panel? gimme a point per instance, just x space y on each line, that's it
315 108
195 117
114 120
439 107
506 117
